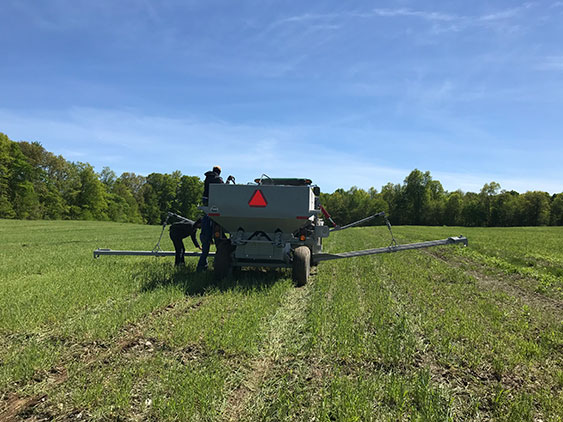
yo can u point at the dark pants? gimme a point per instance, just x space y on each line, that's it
205 236
179 231
180 249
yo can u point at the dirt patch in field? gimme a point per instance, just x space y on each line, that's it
139 345
15 407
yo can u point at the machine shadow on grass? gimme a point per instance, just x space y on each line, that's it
151 276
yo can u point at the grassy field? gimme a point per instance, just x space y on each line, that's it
444 334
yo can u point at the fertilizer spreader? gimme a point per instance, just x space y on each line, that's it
276 223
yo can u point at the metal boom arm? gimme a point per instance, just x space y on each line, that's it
98 252
388 249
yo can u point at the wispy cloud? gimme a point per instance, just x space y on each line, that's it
505 14
124 140
307 17
443 22
426 15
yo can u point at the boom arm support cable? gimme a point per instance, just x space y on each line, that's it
157 247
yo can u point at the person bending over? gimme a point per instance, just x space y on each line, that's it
181 230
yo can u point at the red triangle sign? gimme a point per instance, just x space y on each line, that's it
257 199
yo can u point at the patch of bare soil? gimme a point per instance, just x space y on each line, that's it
16 408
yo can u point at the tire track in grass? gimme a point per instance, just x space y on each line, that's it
279 330
493 279
423 359
339 373
457 379
88 355
180 348
94 325
303 379
482 380
534 375
36 335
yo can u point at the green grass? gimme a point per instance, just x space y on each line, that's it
441 334
534 253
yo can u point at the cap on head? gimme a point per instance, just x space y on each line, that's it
217 169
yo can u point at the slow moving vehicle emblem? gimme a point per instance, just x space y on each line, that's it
257 199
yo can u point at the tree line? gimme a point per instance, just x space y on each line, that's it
420 200
37 184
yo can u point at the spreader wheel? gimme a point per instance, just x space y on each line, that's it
222 262
301 265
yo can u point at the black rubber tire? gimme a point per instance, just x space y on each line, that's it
222 262
301 265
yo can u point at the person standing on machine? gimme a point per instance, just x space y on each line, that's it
206 234
212 176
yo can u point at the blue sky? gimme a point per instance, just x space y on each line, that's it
345 93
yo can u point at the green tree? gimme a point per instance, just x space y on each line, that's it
122 205
377 204
353 205
26 203
67 180
536 208
358 204
135 183
149 207
108 178
334 204
416 196
473 214
436 203
394 196
91 197
164 187
556 217
16 181
46 181
6 208
452 209
505 209
188 196
488 192
34 183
